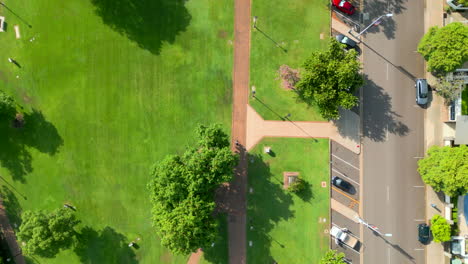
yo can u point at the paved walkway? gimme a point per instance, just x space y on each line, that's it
10 235
237 190
345 131
433 130
195 257
344 210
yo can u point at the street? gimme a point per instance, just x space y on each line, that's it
393 193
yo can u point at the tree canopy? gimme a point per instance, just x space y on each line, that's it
45 234
7 104
333 257
182 191
445 49
329 78
440 229
446 169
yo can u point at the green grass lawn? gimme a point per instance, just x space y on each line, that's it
296 26
465 101
109 88
285 227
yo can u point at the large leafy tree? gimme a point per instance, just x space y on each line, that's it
333 257
440 229
182 191
45 234
446 169
329 79
445 49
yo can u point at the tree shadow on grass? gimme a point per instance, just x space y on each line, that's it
268 204
306 194
37 133
218 253
147 22
378 122
12 207
104 246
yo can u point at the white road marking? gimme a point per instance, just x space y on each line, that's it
418 157
351 165
419 249
333 169
388 193
387 71
418 186
388 255
419 220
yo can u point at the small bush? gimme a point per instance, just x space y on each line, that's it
441 230
289 77
297 186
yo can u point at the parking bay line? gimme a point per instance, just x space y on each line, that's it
351 165
419 249
333 169
339 191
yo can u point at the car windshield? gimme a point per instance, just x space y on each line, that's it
342 3
345 39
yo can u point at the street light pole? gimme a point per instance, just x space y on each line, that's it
371 227
255 21
371 24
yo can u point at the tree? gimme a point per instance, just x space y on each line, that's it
182 191
446 169
45 234
333 257
7 104
440 229
449 90
297 186
329 79
445 49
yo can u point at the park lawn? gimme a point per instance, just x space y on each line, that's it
285 227
296 26
102 107
465 101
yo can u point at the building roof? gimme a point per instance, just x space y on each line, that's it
461 133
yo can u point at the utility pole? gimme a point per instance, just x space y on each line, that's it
375 22
372 227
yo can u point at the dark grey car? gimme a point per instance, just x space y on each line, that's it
421 91
350 44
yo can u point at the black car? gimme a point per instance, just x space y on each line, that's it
423 233
343 185
350 44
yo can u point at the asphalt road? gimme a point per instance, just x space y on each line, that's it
393 199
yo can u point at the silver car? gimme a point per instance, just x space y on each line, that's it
421 91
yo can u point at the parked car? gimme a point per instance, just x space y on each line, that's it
421 91
350 44
344 6
342 236
342 184
423 233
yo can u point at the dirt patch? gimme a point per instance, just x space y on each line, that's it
222 34
288 76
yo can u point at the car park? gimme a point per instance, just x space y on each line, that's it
350 44
342 184
344 6
421 91
423 233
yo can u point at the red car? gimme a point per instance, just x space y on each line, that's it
344 6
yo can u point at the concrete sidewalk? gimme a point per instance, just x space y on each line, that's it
433 131
345 131
344 210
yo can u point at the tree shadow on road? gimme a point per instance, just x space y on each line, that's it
268 204
37 133
103 246
382 7
149 23
379 122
